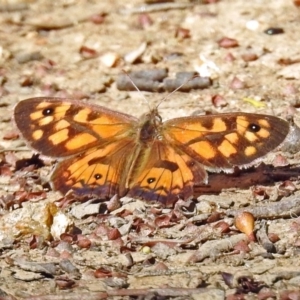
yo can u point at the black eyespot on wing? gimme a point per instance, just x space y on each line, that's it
97 176
48 111
254 127
151 180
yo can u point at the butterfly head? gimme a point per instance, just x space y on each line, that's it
150 126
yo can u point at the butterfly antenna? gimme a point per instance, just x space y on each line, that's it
178 88
137 89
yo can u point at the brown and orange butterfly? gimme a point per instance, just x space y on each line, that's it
102 152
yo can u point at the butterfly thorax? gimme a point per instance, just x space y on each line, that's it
150 127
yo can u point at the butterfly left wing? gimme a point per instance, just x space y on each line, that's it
223 141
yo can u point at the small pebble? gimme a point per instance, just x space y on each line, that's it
252 25
110 59
249 57
87 52
226 42
218 101
145 20
182 33
237 84
274 30
97 18
244 222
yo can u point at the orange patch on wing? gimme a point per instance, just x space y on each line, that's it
79 140
250 136
218 126
263 133
37 134
250 150
61 125
82 115
242 124
60 111
46 120
183 136
36 115
105 131
59 137
233 138
204 149
227 149
264 123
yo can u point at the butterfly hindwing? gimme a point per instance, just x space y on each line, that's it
165 174
99 171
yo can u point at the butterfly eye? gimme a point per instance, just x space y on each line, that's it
150 180
97 176
254 127
48 111
191 163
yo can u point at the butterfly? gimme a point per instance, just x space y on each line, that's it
103 152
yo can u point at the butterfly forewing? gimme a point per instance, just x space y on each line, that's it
223 141
61 127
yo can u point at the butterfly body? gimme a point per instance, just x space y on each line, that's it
103 152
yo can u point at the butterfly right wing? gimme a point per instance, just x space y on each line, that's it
60 127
